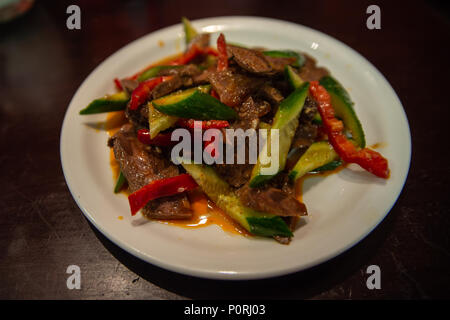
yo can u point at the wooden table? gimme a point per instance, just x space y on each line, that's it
42 231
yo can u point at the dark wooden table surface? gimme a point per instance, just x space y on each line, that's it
42 231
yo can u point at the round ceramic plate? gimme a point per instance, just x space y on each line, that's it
343 208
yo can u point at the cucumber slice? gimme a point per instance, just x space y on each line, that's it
115 102
285 139
121 180
194 104
159 121
189 30
294 80
219 191
328 167
318 154
286 120
343 108
300 59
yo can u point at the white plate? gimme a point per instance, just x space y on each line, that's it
343 208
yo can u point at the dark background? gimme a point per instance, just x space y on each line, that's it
42 231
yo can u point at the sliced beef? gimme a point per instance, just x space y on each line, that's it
278 63
141 164
254 61
249 113
189 70
306 132
166 87
235 174
272 94
251 60
271 200
201 40
138 117
253 109
310 71
202 78
129 85
233 88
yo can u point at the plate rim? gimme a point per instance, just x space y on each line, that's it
208 274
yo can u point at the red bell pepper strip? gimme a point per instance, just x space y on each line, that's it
214 94
118 84
160 188
211 51
193 52
140 94
222 62
207 124
368 159
162 139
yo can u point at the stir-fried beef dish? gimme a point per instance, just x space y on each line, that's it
233 87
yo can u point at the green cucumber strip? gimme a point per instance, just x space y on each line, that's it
219 191
120 182
114 102
153 72
291 107
268 226
194 104
189 30
285 139
286 120
328 167
343 109
294 80
300 59
159 121
317 155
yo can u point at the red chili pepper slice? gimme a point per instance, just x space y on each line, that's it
211 51
118 84
222 62
193 52
207 124
214 94
368 159
162 139
140 94
160 188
